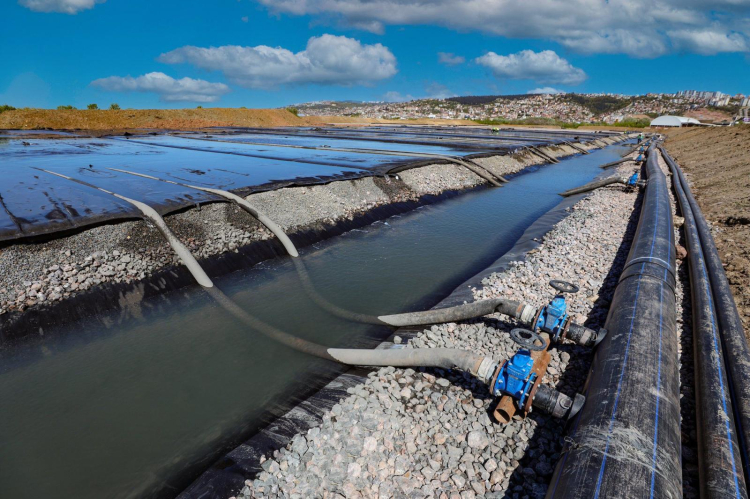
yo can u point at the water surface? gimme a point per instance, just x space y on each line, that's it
140 408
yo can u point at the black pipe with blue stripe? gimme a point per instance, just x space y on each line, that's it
625 442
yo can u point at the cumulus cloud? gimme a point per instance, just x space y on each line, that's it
545 90
63 6
327 60
545 67
168 88
450 59
708 42
640 28
394 96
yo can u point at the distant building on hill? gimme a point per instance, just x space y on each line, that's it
674 121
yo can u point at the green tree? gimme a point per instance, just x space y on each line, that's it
92 106
6 107
293 110
63 108
114 107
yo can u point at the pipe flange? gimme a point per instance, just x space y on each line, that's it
528 339
564 334
493 380
527 407
536 319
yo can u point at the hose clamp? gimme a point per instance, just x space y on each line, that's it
485 369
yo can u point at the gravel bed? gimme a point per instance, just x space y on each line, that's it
32 274
428 433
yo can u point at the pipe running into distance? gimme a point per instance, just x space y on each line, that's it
596 184
615 163
542 154
628 442
715 312
577 147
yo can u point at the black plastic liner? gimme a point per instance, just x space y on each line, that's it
36 203
482 143
626 442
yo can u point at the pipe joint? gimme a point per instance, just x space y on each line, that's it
557 404
584 336
518 379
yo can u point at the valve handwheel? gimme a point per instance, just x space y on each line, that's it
564 286
528 339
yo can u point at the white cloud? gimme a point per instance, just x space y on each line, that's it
327 60
640 28
545 90
450 59
394 96
544 67
168 88
63 6
708 41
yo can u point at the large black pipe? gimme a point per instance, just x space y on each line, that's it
733 343
626 439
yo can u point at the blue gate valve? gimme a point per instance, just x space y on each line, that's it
516 377
633 180
553 317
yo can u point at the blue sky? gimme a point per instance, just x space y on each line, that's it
270 53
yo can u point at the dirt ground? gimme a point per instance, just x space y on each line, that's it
708 115
177 119
127 119
716 161
98 122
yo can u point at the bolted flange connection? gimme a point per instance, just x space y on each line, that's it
519 378
553 318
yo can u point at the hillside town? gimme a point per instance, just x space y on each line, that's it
571 108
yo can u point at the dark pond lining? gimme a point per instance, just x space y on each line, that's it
137 401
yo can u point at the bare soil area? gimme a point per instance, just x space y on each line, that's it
100 121
717 164
103 121
708 115
127 119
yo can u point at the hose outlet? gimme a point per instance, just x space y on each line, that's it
557 404
584 336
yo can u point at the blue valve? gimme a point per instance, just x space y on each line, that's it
632 181
639 158
516 378
553 317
